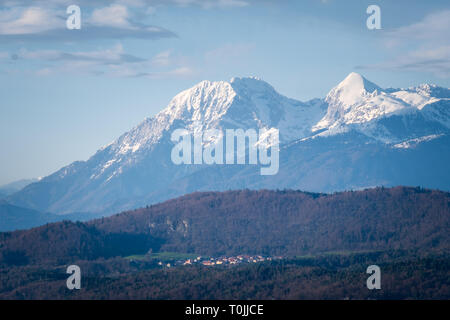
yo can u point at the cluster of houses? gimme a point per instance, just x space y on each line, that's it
206 261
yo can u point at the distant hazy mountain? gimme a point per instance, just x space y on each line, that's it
18 218
15 186
13 217
359 135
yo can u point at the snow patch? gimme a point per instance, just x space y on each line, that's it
412 143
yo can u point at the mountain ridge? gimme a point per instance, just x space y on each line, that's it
136 169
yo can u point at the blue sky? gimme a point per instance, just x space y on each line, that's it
65 93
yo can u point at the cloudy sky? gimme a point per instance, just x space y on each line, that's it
65 93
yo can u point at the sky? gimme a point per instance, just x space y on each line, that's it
65 93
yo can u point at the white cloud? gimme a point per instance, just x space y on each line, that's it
111 62
28 21
225 3
205 4
182 71
426 46
48 24
48 16
432 60
432 28
133 3
113 16
162 58
114 55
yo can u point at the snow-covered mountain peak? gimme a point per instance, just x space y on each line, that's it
245 103
426 89
347 102
199 107
358 104
248 85
203 102
258 104
432 90
353 89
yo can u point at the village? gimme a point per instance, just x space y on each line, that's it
220 261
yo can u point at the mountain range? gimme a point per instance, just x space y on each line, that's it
358 136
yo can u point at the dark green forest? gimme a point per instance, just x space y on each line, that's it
329 276
325 242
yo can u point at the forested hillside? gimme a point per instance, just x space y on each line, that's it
284 223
